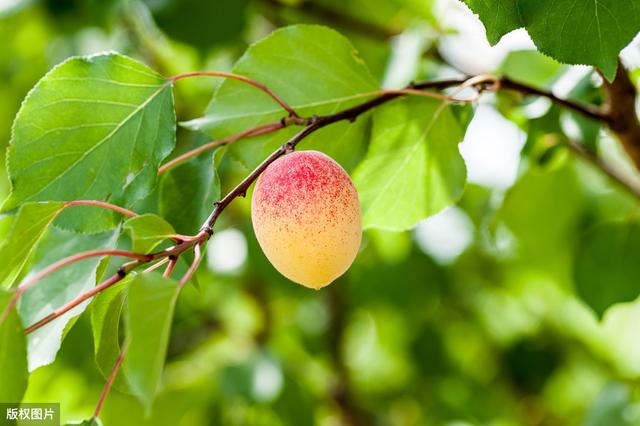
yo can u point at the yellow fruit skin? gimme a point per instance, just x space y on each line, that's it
306 216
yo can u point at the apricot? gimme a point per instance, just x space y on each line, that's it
306 216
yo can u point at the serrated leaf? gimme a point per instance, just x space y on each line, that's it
315 70
606 269
149 313
13 355
58 288
413 168
94 127
498 16
187 193
29 224
592 32
573 32
147 231
106 312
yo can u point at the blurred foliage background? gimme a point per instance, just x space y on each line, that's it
470 319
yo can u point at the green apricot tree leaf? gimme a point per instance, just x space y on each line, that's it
413 168
94 127
187 193
28 226
58 288
315 70
498 16
147 231
606 269
184 20
149 312
13 354
590 32
106 312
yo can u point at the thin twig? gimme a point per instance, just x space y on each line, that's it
172 264
156 265
584 109
75 302
22 288
194 265
110 380
123 271
255 131
241 78
104 205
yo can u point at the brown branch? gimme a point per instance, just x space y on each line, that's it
584 109
123 271
110 381
621 111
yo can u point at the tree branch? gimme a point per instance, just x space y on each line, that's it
621 112
584 109
312 124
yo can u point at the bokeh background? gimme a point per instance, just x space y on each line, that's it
470 319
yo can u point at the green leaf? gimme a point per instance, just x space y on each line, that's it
106 312
94 127
531 67
591 32
147 231
613 407
58 288
606 268
149 313
13 355
187 193
498 16
413 168
315 70
184 20
542 210
27 228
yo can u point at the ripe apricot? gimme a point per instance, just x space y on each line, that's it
306 216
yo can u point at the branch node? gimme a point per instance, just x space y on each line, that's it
122 272
289 147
